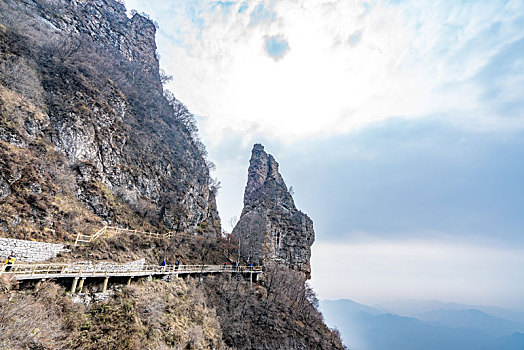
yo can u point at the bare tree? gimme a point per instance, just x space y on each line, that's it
19 75
33 320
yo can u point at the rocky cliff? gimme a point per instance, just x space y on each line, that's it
87 134
271 228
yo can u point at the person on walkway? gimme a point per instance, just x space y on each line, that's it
176 264
163 264
10 261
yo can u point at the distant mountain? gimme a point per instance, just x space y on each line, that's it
349 306
471 319
417 307
371 328
512 342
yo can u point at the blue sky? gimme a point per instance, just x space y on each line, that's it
399 124
276 46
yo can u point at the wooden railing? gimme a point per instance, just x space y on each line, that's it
138 232
44 271
86 239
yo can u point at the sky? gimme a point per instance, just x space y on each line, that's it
399 124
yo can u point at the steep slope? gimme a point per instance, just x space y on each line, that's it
271 228
283 312
153 315
86 134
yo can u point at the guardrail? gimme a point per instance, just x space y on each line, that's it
85 239
44 271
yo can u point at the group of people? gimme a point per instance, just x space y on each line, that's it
9 261
164 263
239 267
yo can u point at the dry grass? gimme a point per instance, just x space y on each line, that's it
41 319
126 247
153 315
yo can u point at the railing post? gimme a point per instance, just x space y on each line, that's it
104 286
81 284
73 286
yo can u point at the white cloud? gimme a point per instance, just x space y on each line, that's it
374 272
350 64
411 59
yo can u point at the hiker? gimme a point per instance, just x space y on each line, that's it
163 264
10 261
176 264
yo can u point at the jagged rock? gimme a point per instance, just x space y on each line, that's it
80 92
87 138
271 227
5 190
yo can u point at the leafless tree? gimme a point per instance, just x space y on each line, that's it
33 320
18 74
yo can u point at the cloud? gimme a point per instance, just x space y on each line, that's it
412 60
406 117
409 178
355 38
377 271
397 179
276 46
260 14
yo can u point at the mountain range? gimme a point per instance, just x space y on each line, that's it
414 325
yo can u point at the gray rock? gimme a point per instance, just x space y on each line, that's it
5 190
104 113
271 228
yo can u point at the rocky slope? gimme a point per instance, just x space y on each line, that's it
271 228
86 134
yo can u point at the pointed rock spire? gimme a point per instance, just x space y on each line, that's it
271 228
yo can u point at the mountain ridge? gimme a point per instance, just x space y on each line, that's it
371 328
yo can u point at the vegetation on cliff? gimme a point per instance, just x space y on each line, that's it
86 133
89 136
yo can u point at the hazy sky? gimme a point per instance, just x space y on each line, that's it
400 125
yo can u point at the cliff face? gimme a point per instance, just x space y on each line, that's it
86 134
271 228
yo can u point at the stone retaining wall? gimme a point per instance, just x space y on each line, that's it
88 266
29 251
